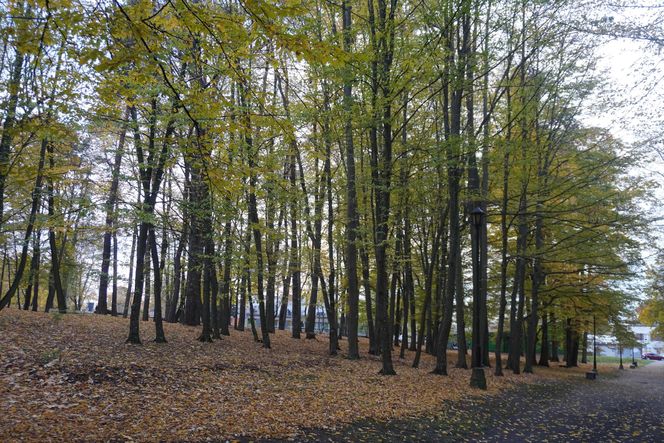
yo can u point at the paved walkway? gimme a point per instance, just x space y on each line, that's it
627 407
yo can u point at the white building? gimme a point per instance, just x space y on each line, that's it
644 336
608 345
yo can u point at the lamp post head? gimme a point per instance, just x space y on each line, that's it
477 216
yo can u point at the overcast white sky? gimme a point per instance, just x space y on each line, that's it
633 72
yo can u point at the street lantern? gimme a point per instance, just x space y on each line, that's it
633 365
477 378
477 215
592 375
594 344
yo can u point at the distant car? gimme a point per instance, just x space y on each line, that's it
652 356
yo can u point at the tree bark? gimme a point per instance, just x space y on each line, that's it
34 208
193 309
148 285
226 280
151 170
13 89
554 341
584 348
110 207
544 351
352 216
157 270
114 288
253 214
33 279
55 257
453 154
125 313
462 346
366 283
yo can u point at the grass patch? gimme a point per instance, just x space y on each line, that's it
49 355
626 360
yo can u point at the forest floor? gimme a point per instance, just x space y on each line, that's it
72 378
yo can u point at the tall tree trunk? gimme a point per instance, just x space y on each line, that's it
516 328
396 312
366 283
125 312
192 310
352 216
253 214
462 346
426 310
573 354
2 270
151 170
55 257
214 288
34 208
479 320
407 288
157 270
141 246
381 21
584 348
554 341
319 199
51 289
114 287
171 312
110 206
244 282
33 279
534 294
484 238
544 351
206 311
226 279
148 285
272 256
283 310
331 298
13 89
420 335
296 301
37 257
252 314
503 209
453 179
571 345
503 252
409 284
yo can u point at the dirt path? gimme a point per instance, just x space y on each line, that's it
624 407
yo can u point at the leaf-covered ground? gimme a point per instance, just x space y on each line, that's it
624 408
72 377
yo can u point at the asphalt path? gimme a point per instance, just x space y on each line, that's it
624 407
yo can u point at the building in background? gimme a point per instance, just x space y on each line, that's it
608 345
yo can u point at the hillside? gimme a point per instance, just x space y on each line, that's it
69 377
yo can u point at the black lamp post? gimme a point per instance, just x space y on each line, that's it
592 375
594 345
477 379
633 365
